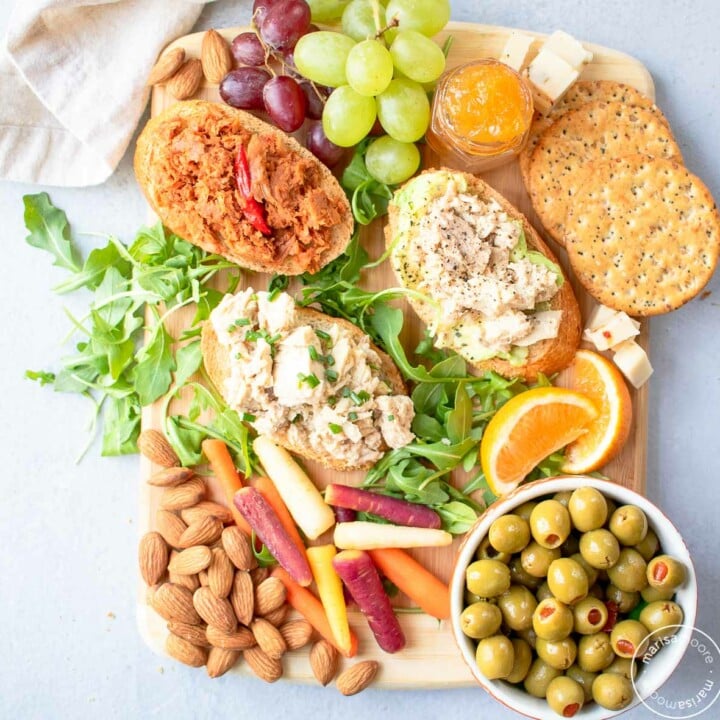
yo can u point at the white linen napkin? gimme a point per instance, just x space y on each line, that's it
73 83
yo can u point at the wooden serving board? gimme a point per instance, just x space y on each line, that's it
431 659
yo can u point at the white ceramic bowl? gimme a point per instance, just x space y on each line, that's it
653 675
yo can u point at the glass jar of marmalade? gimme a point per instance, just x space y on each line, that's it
481 116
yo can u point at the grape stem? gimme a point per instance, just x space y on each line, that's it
392 24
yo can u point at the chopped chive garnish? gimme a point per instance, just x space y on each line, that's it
314 354
346 392
332 401
248 417
335 428
331 375
330 360
240 322
311 380
391 418
352 416
297 418
359 398
322 335
273 294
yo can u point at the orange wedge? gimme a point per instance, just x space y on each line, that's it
597 378
528 428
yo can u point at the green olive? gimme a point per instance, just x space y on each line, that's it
611 508
660 616
480 620
525 510
650 594
571 545
494 657
600 548
517 606
552 620
588 509
539 677
518 575
590 571
550 523
629 573
629 525
470 598
563 497
622 666
559 654
589 616
649 546
565 696
583 678
535 559
629 638
487 578
528 635
567 580
543 592
509 534
595 652
625 601
522 659
612 691
486 551
664 572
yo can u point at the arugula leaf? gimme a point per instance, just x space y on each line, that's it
41 376
49 230
459 419
155 364
189 359
368 197
121 419
457 517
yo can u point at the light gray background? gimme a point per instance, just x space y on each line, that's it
68 532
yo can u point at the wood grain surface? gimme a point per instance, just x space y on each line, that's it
431 659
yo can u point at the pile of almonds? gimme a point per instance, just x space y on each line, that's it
204 580
184 75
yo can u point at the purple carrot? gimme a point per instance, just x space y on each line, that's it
344 514
400 512
267 526
357 571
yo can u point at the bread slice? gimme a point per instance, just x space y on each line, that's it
217 360
184 163
546 356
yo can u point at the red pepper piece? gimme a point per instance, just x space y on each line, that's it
613 610
254 212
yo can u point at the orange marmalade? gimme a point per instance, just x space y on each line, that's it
481 116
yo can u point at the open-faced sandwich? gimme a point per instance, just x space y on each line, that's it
486 284
312 383
234 185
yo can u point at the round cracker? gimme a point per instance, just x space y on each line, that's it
559 164
581 93
643 235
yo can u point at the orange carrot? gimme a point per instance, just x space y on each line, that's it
223 466
312 610
419 584
266 487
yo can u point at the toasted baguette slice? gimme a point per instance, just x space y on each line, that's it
184 163
546 356
217 360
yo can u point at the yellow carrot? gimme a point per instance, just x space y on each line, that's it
330 590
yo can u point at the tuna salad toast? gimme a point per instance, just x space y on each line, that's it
495 293
234 185
312 383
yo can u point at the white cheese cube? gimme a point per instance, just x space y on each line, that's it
601 315
633 362
620 328
551 75
516 50
568 48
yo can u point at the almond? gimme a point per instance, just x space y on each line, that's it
152 443
242 597
213 610
296 633
153 557
221 573
240 639
259 574
185 651
203 532
237 546
186 81
220 660
278 616
191 582
324 661
206 507
166 66
195 634
175 604
191 560
170 477
170 526
269 595
266 668
215 55
268 637
357 677
182 496
203 578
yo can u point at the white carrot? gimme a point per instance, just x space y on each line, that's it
362 535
